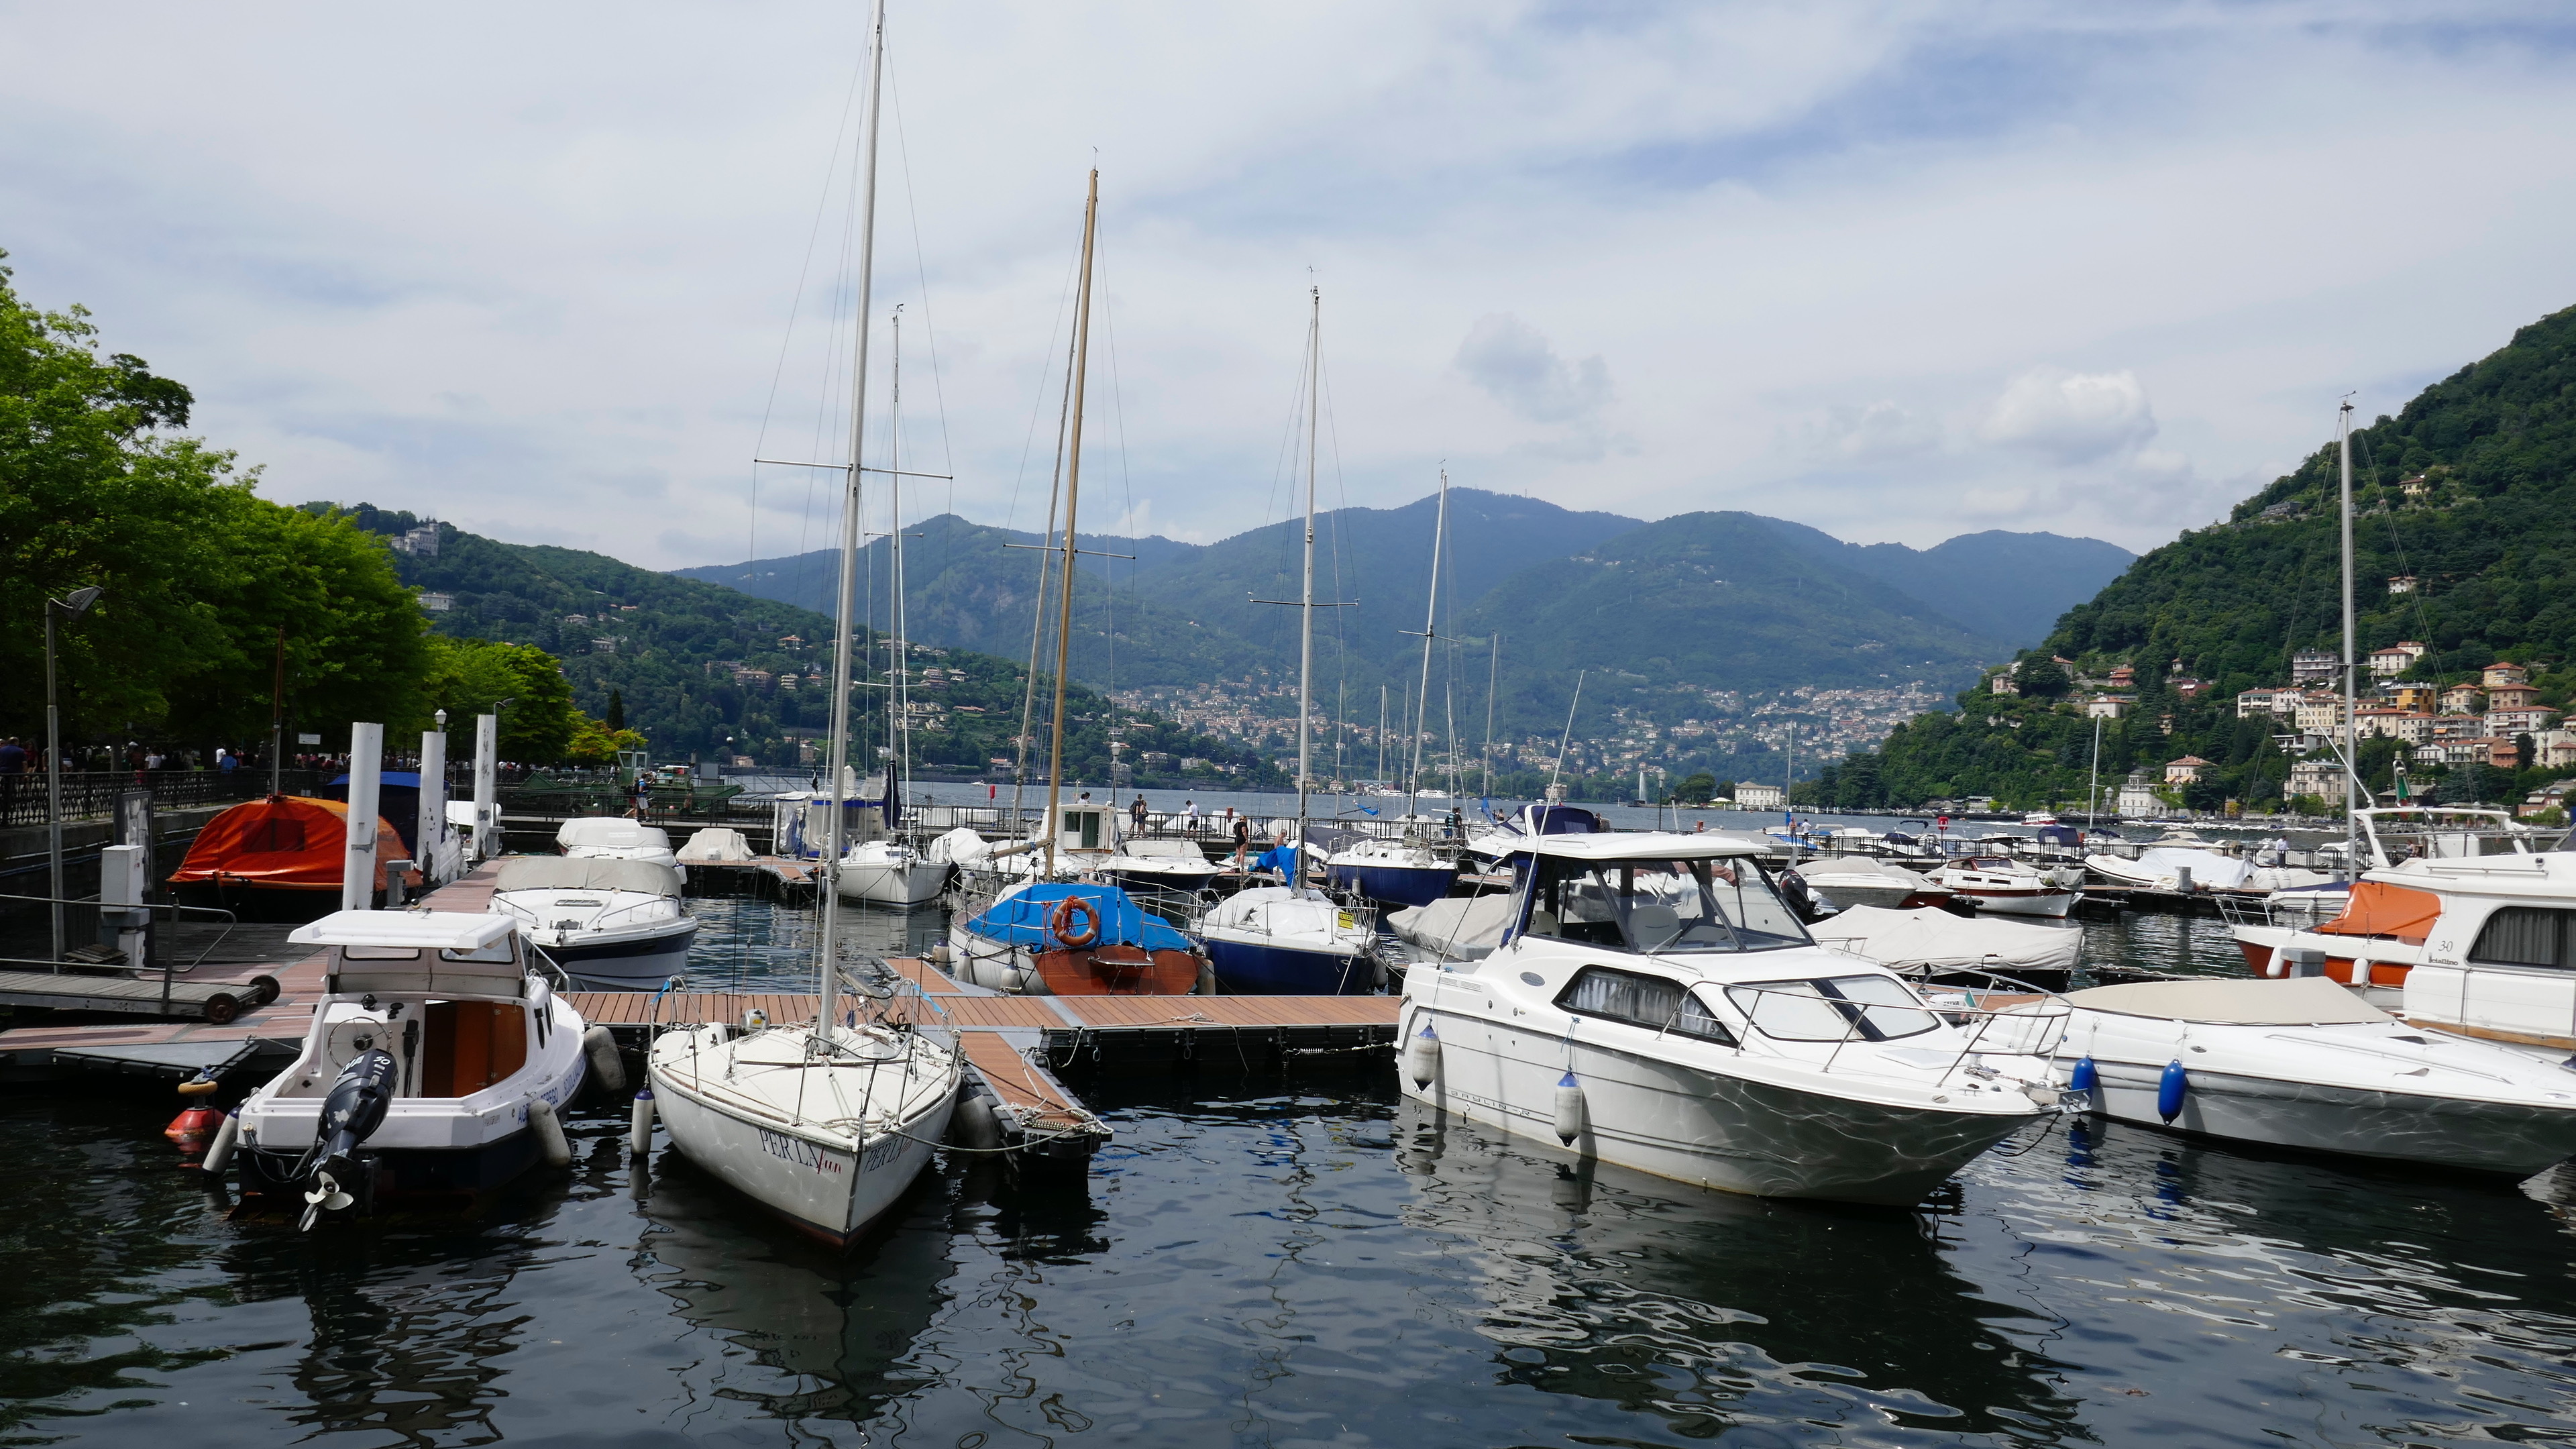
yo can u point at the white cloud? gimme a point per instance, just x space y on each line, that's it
1519 367
2072 417
540 287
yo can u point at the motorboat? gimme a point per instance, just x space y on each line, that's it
608 924
717 845
889 872
1656 1004
436 1063
2304 1063
1862 880
1179 866
1994 883
1393 873
1928 937
1290 941
614 837
279 859
2039 817
1071 938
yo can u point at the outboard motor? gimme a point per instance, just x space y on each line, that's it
350 1115
1803 899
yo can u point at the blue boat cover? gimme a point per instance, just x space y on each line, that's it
1022 919
1281 859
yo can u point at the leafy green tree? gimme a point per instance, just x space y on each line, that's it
467 677
596 742
2042 678
617 711
1698 789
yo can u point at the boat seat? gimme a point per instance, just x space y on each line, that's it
1543 923
1653 921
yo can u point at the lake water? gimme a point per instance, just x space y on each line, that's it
1290 1260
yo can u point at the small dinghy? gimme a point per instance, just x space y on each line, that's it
436 1064
2305 1063
610 925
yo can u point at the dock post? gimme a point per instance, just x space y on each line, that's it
487 819
358 864
431 832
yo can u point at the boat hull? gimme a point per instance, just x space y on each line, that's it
2508 1138
403 1172
1104 970
1247 968
1718 1131
897 883
823 1186
2052 904
639 963
1395 885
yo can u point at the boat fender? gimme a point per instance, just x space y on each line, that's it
600 1048
2086 1077
551 1142
2170 1088
190 1130
1569 1108
974 1125
1207 977
941 955
754 1019
220 1151
1422 1057
2277 965
639 1132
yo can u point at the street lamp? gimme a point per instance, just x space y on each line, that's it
72 608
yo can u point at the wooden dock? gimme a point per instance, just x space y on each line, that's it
1015 1045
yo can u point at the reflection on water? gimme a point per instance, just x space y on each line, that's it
1290 1260
753 945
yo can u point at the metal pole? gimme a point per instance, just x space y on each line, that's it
358 864
1306 599
53 787
1072 509
277 720
2352 785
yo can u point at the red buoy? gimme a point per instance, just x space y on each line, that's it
192 1129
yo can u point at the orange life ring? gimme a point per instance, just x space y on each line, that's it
1063 918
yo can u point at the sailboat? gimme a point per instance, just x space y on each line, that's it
1406 871
885 870
1051 933
827 1122
1289 938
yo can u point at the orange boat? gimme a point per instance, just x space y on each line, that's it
278 859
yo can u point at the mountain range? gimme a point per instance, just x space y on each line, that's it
1732 601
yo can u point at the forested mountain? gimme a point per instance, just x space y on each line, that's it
667 648
2470 491
2007 586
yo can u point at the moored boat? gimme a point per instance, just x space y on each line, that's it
1290 940
1995 883
279 859
1071 938
609 925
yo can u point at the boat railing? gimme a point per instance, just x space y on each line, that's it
2007 1017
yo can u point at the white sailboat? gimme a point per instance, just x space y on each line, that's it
1289 939
827 1122
888 871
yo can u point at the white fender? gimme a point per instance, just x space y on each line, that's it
1570 1113
220 1151
606 1066
551 1141
1422 1058
639 1134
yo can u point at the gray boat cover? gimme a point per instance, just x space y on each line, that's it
585 873
1929 936
1461 928
2295 1001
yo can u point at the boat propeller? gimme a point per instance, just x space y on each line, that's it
327 1195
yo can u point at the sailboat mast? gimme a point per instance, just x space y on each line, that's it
1430 629
1072 501
897 697
1306 599
2352 785
1493 671
828 966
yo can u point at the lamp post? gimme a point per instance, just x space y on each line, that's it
72 608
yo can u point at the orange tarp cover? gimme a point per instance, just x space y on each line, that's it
2387 910
285 842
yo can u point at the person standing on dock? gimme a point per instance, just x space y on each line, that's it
1190 816
1242 839
1136 812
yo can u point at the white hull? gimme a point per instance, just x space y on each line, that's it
830 1171
1847 891
993 965
912 882
1734 1133
2475 1136
2052 904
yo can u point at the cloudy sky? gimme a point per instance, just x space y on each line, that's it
557 273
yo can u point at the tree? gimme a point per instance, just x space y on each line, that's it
2205 792
617 710
468 677
596 742
1698 789
2042 678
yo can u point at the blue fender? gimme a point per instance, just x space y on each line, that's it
2169 1090
2085 1079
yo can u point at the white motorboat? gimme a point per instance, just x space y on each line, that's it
1862 880
614 837
435 1065
825 1123
1995 883
1656 1004
1180 866
1393 872
2305 1063
889 873
608 924
1292 941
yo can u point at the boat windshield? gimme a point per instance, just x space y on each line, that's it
1837 1008
1659 906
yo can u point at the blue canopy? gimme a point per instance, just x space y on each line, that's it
1282 859
1021 919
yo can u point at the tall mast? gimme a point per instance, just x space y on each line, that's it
899 728
1037 625
1072 501
1430 631
1493 670
828 966
1306 599
2352 785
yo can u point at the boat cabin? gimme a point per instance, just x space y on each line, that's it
446 992
1648 893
